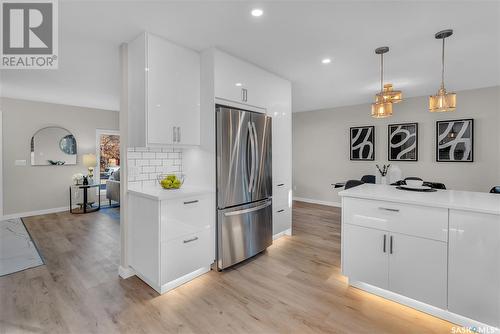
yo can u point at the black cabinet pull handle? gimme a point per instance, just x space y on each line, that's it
389 209
281 185
281 210
385 239
190 240
191 202
390 245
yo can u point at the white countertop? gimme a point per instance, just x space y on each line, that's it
451 199
160 194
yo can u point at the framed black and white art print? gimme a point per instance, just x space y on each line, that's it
362 143
454 140
402 144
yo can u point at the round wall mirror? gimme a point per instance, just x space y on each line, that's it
68 144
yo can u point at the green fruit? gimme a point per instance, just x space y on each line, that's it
166 183
171 177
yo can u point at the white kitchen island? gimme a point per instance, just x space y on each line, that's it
171 234
438 252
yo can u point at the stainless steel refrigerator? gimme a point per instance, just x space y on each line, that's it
244 185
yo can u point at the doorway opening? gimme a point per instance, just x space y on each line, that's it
108 159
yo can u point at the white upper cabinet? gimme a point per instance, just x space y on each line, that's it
164 93
239 81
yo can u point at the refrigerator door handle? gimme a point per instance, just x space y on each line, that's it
241 212
255 161
252 149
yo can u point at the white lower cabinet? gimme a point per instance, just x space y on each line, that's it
365 256
417 268
474 266
411 266
183 255
446 258
171 240
398 247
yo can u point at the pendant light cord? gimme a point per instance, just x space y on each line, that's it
381 73
442 66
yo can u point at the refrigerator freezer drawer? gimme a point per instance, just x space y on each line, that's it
243 232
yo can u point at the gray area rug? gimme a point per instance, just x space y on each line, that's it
17 250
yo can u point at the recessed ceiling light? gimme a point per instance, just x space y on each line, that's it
238 84
257 12
326 61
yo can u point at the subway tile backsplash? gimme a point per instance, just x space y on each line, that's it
144 164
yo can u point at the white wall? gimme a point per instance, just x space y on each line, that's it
33 188
321 145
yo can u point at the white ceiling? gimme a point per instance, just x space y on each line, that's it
290 39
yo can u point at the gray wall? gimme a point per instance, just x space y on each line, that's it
31 188
321 145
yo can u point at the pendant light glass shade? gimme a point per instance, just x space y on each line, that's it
443 101
387 96
381 109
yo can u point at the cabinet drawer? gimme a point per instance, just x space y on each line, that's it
185 216
280 195
420 221
282 219
186 254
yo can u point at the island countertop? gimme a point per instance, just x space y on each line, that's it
160 194
450 199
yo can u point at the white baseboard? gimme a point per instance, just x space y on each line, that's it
161 289
315 201
426 308
282 234
125 272
35 213
184 279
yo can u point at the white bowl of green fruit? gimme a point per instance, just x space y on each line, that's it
170 181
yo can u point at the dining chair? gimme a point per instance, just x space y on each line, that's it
352 184
495 190
368 179
435 185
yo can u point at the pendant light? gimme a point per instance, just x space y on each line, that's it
387 95
443 101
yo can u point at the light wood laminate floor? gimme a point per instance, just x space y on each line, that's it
294 287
